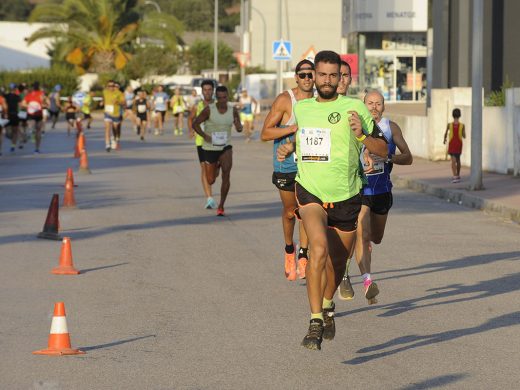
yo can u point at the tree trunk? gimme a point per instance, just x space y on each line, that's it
102 62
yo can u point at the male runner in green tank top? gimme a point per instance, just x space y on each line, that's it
331 130
207 99
218 118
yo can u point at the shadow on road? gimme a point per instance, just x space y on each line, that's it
439 381
483 289
84 271
112 344
404 343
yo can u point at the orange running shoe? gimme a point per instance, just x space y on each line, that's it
290 266
220 212
302 264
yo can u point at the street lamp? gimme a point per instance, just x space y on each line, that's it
150 2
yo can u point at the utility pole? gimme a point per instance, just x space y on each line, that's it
476 96
215 43
279 79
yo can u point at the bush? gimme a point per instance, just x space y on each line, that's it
47 78
498 98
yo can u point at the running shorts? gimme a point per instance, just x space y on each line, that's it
212 156
284 181
378 204
341 215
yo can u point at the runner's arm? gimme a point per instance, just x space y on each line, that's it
236 120
203 116
270 131
405 158
191 117
446 134
374 144
463 131
285 150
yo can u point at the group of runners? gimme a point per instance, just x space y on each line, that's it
332 159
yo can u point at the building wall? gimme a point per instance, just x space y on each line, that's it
309 23
500 130
511 44
15 54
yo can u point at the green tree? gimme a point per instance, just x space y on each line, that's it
99 35
200 55
151 60
15 10
197 15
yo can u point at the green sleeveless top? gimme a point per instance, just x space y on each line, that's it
327 149
218 127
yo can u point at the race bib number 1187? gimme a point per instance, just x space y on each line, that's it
315 145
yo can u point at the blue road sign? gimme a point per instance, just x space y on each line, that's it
282 50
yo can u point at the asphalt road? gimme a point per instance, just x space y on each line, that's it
172 297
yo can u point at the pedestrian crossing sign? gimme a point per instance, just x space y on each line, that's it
282 50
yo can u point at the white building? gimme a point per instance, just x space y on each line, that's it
15 53
305 23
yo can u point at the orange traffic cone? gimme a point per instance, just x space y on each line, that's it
83 163
51 226
59 338
68 198
66 267
69 177
80 145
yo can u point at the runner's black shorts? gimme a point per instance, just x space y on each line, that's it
162 113
284 181
70 116
200 153
142 116
36 118
212 156
13 119
341 215
378 204
54 114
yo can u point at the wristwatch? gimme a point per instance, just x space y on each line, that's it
389 160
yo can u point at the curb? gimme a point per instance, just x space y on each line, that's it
461 197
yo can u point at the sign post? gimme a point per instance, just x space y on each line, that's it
282 51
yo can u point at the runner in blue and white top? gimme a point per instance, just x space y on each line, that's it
160 101
280 126
377 194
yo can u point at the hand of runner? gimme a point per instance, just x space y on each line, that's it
206 137
368 165
284 150
355 123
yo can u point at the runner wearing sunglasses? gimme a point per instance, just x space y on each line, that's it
279 126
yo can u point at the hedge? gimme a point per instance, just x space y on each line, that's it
47 78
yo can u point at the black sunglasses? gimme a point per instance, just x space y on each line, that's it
304 75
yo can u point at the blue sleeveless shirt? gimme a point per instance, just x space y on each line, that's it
289 164
379 181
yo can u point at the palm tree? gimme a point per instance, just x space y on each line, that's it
96 35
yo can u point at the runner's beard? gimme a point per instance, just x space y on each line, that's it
327 95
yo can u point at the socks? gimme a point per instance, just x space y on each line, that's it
366 277
289 249
302 253
317 316
327 304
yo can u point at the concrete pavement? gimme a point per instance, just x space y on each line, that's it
501 195
172 297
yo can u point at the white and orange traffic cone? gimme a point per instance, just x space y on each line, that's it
59 338
66 266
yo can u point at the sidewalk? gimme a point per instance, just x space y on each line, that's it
501 194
